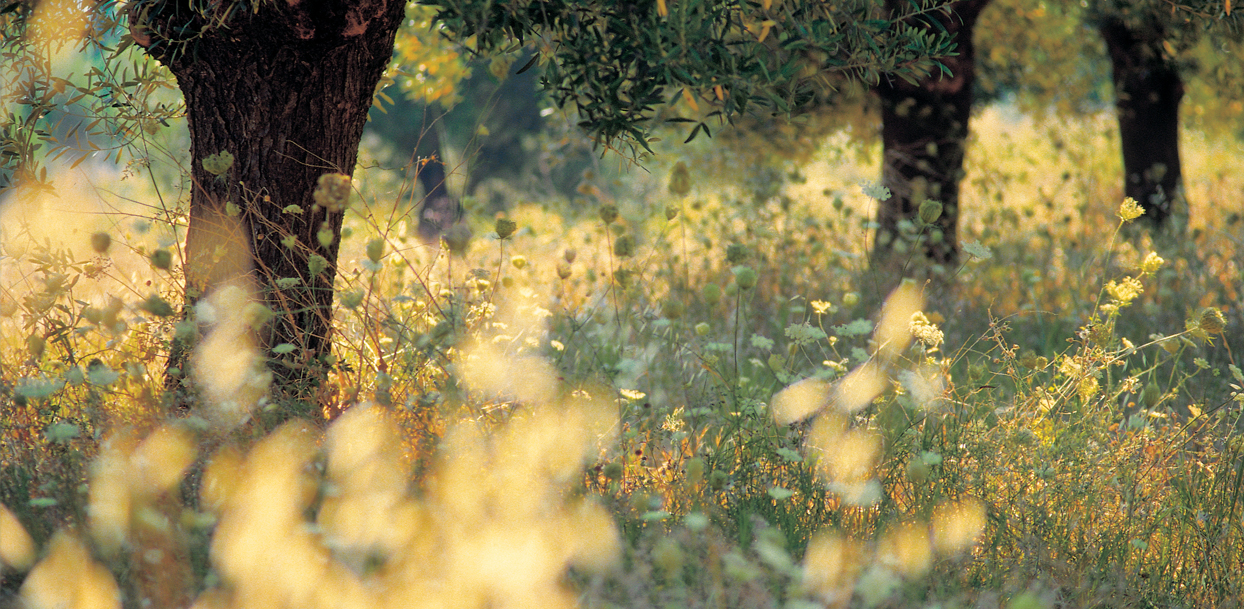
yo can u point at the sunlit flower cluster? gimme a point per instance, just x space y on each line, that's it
926 331
1130 210
1123 292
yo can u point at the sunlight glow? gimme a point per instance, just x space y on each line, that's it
906 548
496 374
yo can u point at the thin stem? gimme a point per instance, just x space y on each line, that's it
738 306
613 282
500 263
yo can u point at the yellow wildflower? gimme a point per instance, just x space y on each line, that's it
1125 291
1151 263
1130 210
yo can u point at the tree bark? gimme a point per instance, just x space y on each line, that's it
924 130
1148 90
284 88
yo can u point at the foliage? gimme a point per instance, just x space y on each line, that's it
427 67
71 88
688 61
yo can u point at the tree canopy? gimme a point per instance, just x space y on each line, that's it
624 66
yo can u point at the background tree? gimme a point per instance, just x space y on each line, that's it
924 133
429 70
1147 43
489 120
1148 56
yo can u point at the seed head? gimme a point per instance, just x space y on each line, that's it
608 213
100 242
332 192
712 294
680 179
1212 320
36 345
672 309
624 247
162 259
745 277
736 253
505 227
930 211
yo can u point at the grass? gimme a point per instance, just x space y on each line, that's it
642 398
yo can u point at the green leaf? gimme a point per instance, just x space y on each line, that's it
780 494
60 433
858 327
39 388
789 455
102 376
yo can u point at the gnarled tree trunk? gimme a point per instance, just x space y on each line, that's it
924 130
283 87
1148 90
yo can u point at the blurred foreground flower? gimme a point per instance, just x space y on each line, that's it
494 529
17 549
69 577
227 362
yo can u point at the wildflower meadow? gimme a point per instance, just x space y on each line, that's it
682 385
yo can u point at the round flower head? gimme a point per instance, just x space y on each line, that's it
1130 210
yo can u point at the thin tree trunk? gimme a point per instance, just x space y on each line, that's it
439 209
924 130
285 90
1148 90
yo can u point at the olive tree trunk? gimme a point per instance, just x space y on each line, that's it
924 130
284 89
1148 90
